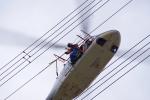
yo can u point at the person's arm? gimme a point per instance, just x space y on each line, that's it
68 51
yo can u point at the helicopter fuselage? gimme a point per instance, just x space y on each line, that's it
74 79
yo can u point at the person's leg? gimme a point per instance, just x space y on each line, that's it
72 58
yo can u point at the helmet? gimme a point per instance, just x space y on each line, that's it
70 45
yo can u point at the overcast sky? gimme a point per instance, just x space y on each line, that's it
24 21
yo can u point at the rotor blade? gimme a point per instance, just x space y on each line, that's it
20 39
84 25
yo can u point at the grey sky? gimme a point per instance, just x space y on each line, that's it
23 21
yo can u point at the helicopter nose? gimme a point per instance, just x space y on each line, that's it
113 36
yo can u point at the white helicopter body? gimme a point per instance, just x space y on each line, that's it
74 79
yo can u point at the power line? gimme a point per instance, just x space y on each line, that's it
48 66
45 33
50 36
77 20
69 21
54 43
120 77
116 73
109 18
32 78
26 83
112 16
116 67
126 51
137 57
51 39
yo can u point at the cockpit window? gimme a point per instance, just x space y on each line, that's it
100 41
114 49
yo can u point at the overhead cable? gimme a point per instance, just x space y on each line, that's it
116 72
53 43
28 53
121 76
31 79
116 67
109 18
45 33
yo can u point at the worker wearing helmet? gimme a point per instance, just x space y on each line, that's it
73 50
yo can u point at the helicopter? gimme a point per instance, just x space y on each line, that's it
75 78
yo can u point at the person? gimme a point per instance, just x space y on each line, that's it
73 50
85 46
